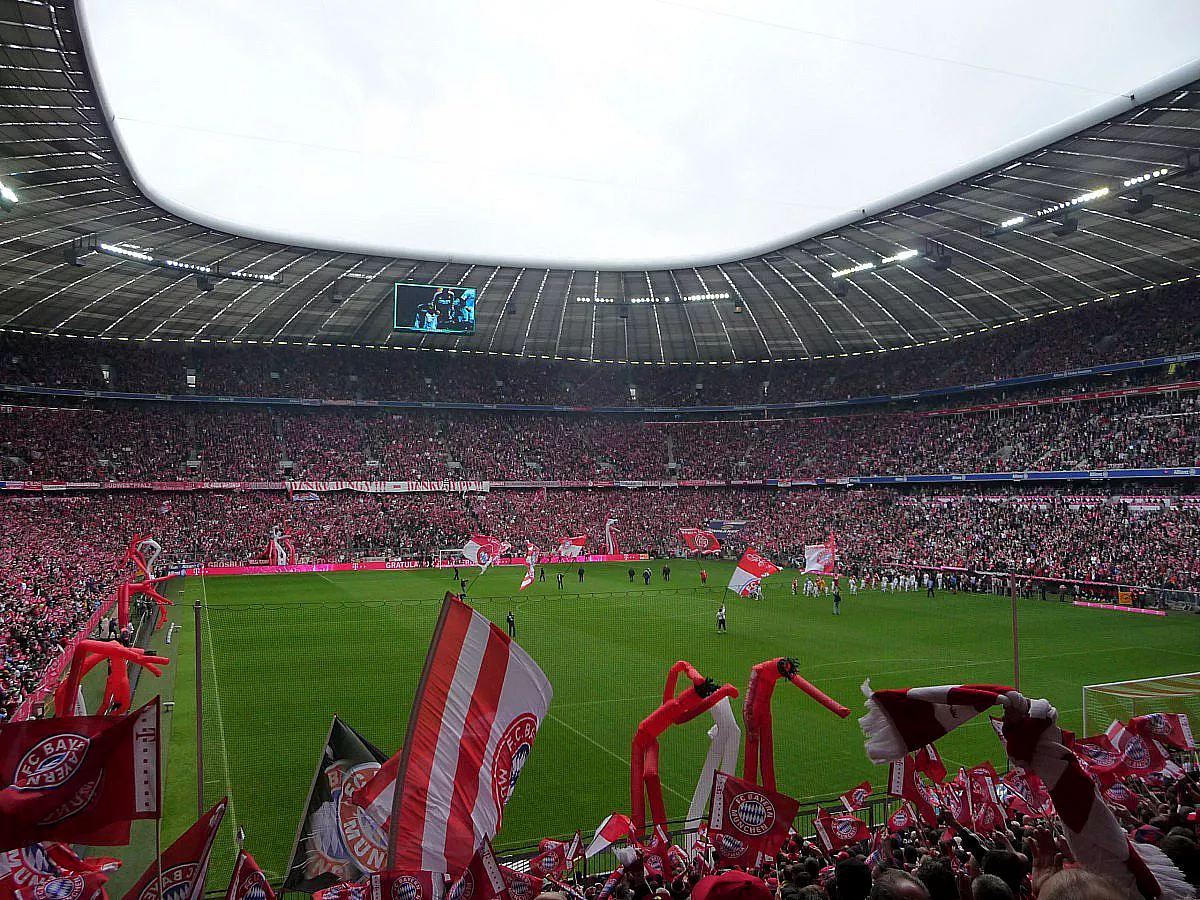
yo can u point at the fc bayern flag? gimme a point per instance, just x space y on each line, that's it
572 546
902 819
903 781
1140 756
983 801
1119 795
700 541
477 710
1172 729
482 550
183 865
78 779
402 885
1098 757
820 559
614 828
929 761
555 857
52 870
835 832
482 879
855 797
520 885
747 819
751 569
531 558
248 881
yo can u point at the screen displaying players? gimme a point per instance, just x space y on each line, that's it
434 308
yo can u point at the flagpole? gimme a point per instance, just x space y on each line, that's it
199 713
1015 638
158 854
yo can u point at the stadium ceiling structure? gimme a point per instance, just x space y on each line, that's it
1108 212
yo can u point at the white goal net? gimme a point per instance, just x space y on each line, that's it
1124 699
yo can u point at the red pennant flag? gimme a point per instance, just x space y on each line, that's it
1030 789
184 864
954 797
1098 757
856 797
521 886
700 541
747 819
751 569
929 761
1172 729
656 855
835 832
982 799
482 879
902 819
79 779
248 881
904 782
614 828
477 710
1119 795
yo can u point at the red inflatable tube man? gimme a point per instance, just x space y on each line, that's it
693 701
117 695
760 744
126 591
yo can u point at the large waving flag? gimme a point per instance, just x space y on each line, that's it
1172 729
820 559
747 819
184 865
78 779
479 704
531 558
483 550
611 544
614 828
751 569
700 541
572 546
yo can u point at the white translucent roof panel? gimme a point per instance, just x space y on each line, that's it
610 133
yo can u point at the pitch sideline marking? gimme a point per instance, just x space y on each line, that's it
621 759
220 718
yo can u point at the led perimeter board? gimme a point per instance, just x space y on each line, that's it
434 308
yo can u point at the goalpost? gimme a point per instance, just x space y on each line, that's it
1124 699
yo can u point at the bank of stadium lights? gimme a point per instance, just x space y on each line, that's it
666 298
861 267
1142 179
207 272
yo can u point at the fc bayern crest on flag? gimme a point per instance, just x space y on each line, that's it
752 813
731 847
845 828
407 887
512 751
176 883
1097 755
464 888
69 887
51 763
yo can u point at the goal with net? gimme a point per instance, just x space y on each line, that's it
1124 699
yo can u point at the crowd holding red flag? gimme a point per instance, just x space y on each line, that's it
747 819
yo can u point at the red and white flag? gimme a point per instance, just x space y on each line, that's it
478 708
700 541
248 881
531 558
902 720
1172 729
747 819
1119 795
751 569
78 779
614 828
1030 790
52 870
856 797
820 559
378 794
902 819
612 545
572 546
482 879
555 857
929 761
482 550
903 781
345 890
1140 756
405 885
520 885
183 865
983 801
836 832
1098 757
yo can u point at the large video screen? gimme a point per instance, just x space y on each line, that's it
435 308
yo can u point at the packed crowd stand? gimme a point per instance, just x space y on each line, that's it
166 442
1140 326
59 554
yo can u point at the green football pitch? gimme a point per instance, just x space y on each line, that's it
282 654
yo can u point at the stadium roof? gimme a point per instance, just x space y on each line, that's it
996 248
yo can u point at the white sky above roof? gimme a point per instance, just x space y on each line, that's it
609 133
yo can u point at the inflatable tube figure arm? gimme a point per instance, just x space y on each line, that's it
89 654
681 667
